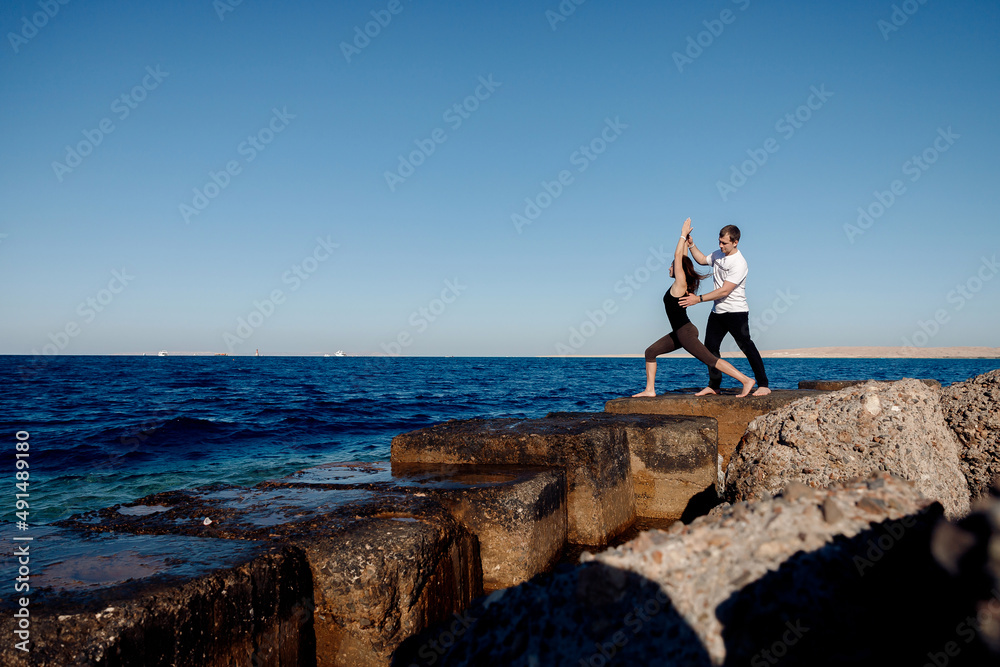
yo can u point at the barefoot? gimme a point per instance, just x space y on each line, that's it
706 391
747 386
762 391
645 392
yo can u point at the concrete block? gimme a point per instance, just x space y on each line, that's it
730 411
518 513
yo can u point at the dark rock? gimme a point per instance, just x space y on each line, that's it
121 600
395 560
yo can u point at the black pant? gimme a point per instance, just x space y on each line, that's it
737 324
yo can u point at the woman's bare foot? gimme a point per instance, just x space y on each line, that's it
747 386
644 392
706 391
762 391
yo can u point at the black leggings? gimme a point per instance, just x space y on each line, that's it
737 324
686 337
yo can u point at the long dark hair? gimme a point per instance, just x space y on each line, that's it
693 279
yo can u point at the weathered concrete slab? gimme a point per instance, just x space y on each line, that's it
117 600
383 565
518 513
593 448
834 385
730 411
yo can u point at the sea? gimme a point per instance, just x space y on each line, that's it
103 430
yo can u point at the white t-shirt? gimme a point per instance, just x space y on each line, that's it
733 269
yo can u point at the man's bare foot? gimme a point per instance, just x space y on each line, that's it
706 391
762 391
645 392
747 386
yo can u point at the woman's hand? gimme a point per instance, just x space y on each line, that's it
686 229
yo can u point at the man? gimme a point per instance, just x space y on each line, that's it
730 313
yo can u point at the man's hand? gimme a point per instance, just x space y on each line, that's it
689 300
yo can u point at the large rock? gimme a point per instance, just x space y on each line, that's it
602 456
835 385
732 412
970 409
896 427
834 576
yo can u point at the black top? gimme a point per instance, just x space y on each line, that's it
676 313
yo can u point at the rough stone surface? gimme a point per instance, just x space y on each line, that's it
383 565
730 411
594 449
518 513
893 426
672 464
971 410
835 385
769 576
123 600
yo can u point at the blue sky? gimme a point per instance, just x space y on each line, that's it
199 176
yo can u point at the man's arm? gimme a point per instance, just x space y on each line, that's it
697 255
714 295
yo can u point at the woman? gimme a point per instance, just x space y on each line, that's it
684 333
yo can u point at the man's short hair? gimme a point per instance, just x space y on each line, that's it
732 231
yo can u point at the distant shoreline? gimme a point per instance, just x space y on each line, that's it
858 352
862 352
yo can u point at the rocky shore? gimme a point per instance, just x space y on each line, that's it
849 525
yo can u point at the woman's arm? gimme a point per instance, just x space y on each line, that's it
680 279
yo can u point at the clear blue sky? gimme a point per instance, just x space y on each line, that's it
310 117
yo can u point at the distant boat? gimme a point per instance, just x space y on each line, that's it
339 353
162 353
258 352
